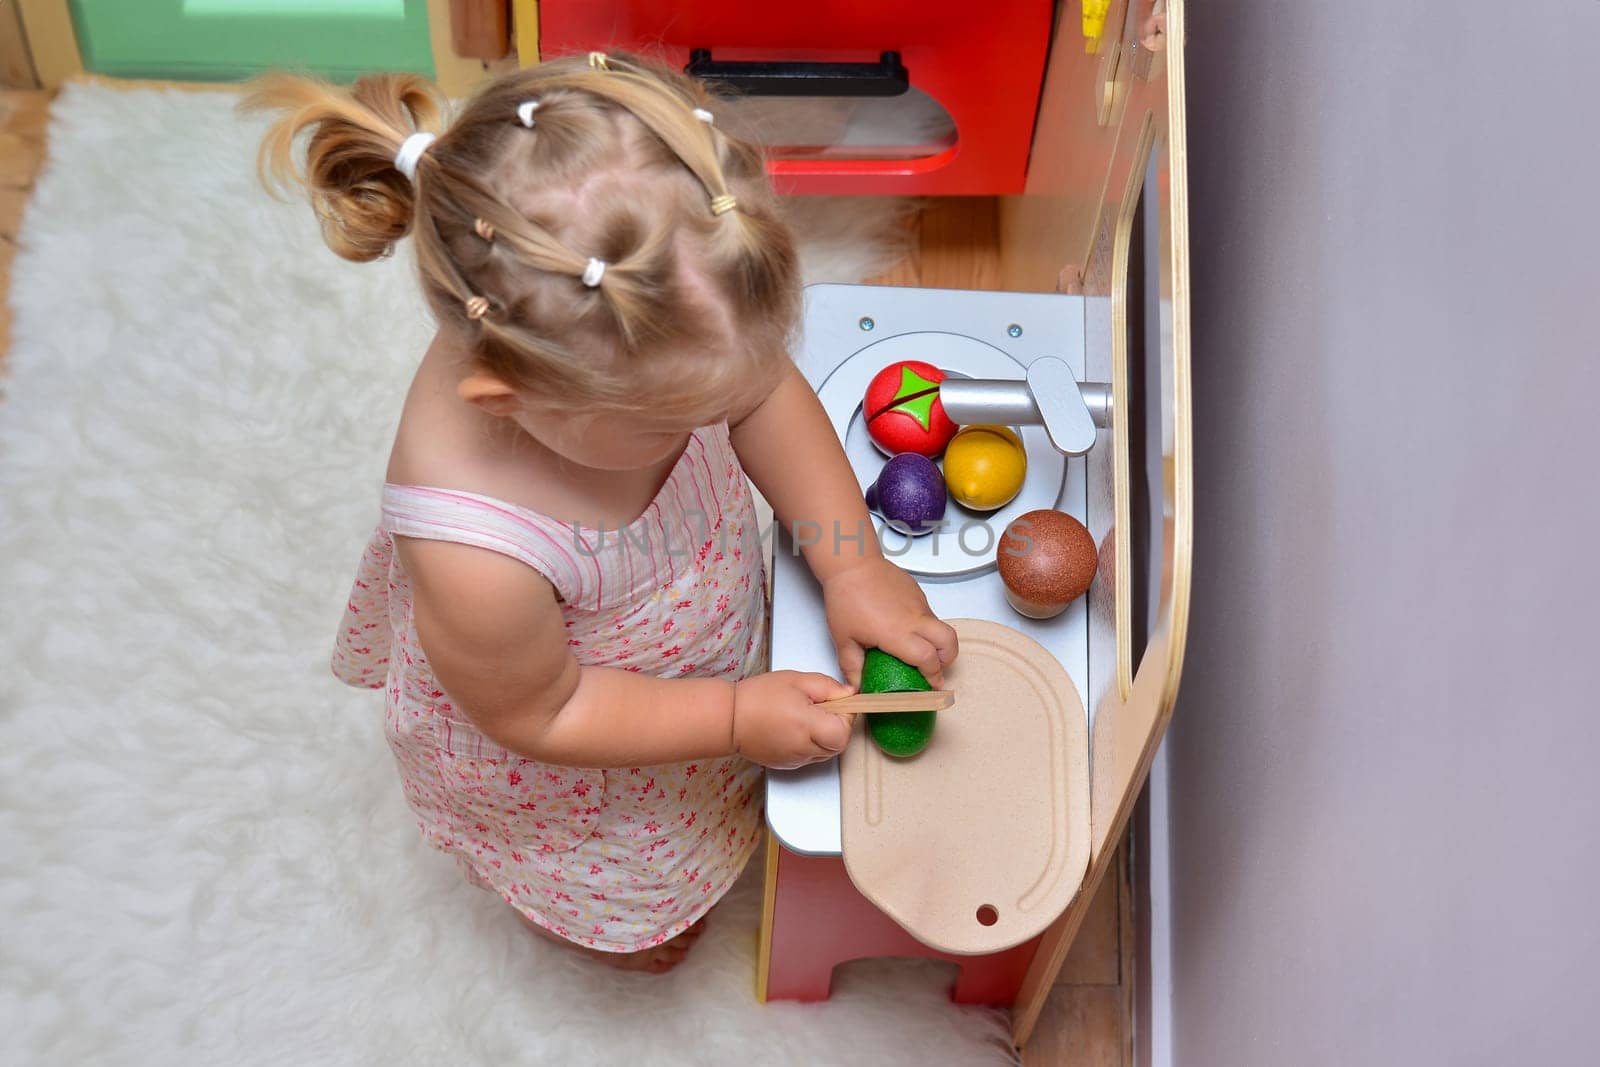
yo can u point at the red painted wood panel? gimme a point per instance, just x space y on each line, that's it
983 62
820 920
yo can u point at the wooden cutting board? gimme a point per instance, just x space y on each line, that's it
977 843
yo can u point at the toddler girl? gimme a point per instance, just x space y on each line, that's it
564 598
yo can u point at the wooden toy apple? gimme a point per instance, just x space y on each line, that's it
903 411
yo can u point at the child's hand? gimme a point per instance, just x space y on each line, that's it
875 604
776 721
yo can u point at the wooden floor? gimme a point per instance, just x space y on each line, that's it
22 121
955 245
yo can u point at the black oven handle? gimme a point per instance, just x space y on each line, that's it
886 77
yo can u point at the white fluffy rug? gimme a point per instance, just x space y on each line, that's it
204 854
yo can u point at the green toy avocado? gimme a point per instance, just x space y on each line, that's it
897 733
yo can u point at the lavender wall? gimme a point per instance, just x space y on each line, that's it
1385 827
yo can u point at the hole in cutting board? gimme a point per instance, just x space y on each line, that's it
987 915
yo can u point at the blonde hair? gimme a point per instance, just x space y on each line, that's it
618 163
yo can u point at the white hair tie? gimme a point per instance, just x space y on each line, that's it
411 149
703 115
525 112
593 271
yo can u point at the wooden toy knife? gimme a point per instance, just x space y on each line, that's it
873 703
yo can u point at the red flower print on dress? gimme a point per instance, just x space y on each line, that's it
528 828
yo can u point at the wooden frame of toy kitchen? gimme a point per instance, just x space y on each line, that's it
1104 216
1073 115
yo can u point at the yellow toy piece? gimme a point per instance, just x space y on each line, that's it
984 467
1094 23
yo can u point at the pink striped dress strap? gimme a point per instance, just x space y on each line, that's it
485 522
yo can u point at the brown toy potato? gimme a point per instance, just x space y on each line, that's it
1047 560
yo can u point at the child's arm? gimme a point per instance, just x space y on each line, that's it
788 447
493 632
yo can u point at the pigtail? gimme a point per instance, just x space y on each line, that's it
363 201
627 284
749 245
576 224
637 292
762 266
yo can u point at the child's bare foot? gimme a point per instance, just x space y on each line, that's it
658 960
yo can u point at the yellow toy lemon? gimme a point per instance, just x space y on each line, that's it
984 466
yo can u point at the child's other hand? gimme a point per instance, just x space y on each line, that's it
877 605
776 721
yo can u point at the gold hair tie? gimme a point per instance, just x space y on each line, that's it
484 228
599 61
721 205
477 308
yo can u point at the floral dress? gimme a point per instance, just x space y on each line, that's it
620 859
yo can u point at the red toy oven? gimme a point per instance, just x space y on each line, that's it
885 96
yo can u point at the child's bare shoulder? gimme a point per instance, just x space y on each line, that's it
435 442
492 630
474 596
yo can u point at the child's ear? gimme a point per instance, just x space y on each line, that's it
491 393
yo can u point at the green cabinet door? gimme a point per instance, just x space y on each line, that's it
223 40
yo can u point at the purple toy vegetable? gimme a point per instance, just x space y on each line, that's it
909 494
